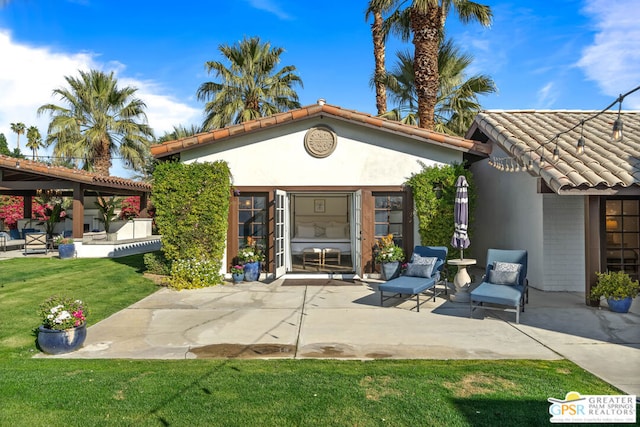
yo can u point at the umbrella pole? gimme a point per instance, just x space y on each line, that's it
461 253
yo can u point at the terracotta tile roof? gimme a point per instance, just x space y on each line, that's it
604 165
26 170
174 147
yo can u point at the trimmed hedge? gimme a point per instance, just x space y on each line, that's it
192 209
435 215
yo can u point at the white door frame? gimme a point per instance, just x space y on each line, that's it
281 233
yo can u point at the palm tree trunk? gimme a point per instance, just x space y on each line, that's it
426 35
379 57
102 162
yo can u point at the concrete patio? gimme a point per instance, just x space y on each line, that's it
274 321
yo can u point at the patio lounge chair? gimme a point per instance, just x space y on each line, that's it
500 287
411 285
35 242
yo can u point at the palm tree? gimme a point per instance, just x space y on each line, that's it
425 20
18 128
250 87
180 132
34 141
379 36
99 121
457 102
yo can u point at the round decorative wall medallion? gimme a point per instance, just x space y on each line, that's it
320 141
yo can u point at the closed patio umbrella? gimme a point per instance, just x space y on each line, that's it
460 239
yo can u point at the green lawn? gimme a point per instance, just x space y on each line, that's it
39 392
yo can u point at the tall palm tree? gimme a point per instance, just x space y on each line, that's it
250 87
425 20
457 102
34 141
379 36
180 131
99 121
19 129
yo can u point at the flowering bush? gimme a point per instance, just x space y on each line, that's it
50 208
62 313
191 274
237 269
250 253
130 208
616 285
388 251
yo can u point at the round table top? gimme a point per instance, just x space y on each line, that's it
463 262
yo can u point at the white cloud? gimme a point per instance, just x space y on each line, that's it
271 7
30 74
613 59
547 96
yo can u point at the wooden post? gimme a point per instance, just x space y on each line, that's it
593 243
78 211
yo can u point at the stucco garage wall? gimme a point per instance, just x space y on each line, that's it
564 245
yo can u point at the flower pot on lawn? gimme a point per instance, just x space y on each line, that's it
54 341
64 327
66 251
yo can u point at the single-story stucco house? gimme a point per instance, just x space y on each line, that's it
577 214
321 184
324 177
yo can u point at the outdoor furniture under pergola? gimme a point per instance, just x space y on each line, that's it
25 178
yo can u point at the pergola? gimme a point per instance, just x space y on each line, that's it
24 178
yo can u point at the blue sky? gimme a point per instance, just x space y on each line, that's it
565 54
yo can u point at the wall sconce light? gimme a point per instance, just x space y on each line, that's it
437 189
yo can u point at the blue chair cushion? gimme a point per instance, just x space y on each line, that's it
497 294
14 233
408 285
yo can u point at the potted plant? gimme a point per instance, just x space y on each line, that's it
237 273
618 288
63 326
106 209
66 248
250 257
390 256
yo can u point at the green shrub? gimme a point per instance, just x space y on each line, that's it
435 215
191 274
157 263
191 211
616 285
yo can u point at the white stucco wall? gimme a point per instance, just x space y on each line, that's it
363 156
564 245
508 216
511 214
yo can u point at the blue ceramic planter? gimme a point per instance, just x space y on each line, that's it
53 341
237 277
66 251
251 271
390 270
620 305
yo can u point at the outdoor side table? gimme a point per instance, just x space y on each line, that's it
461 280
